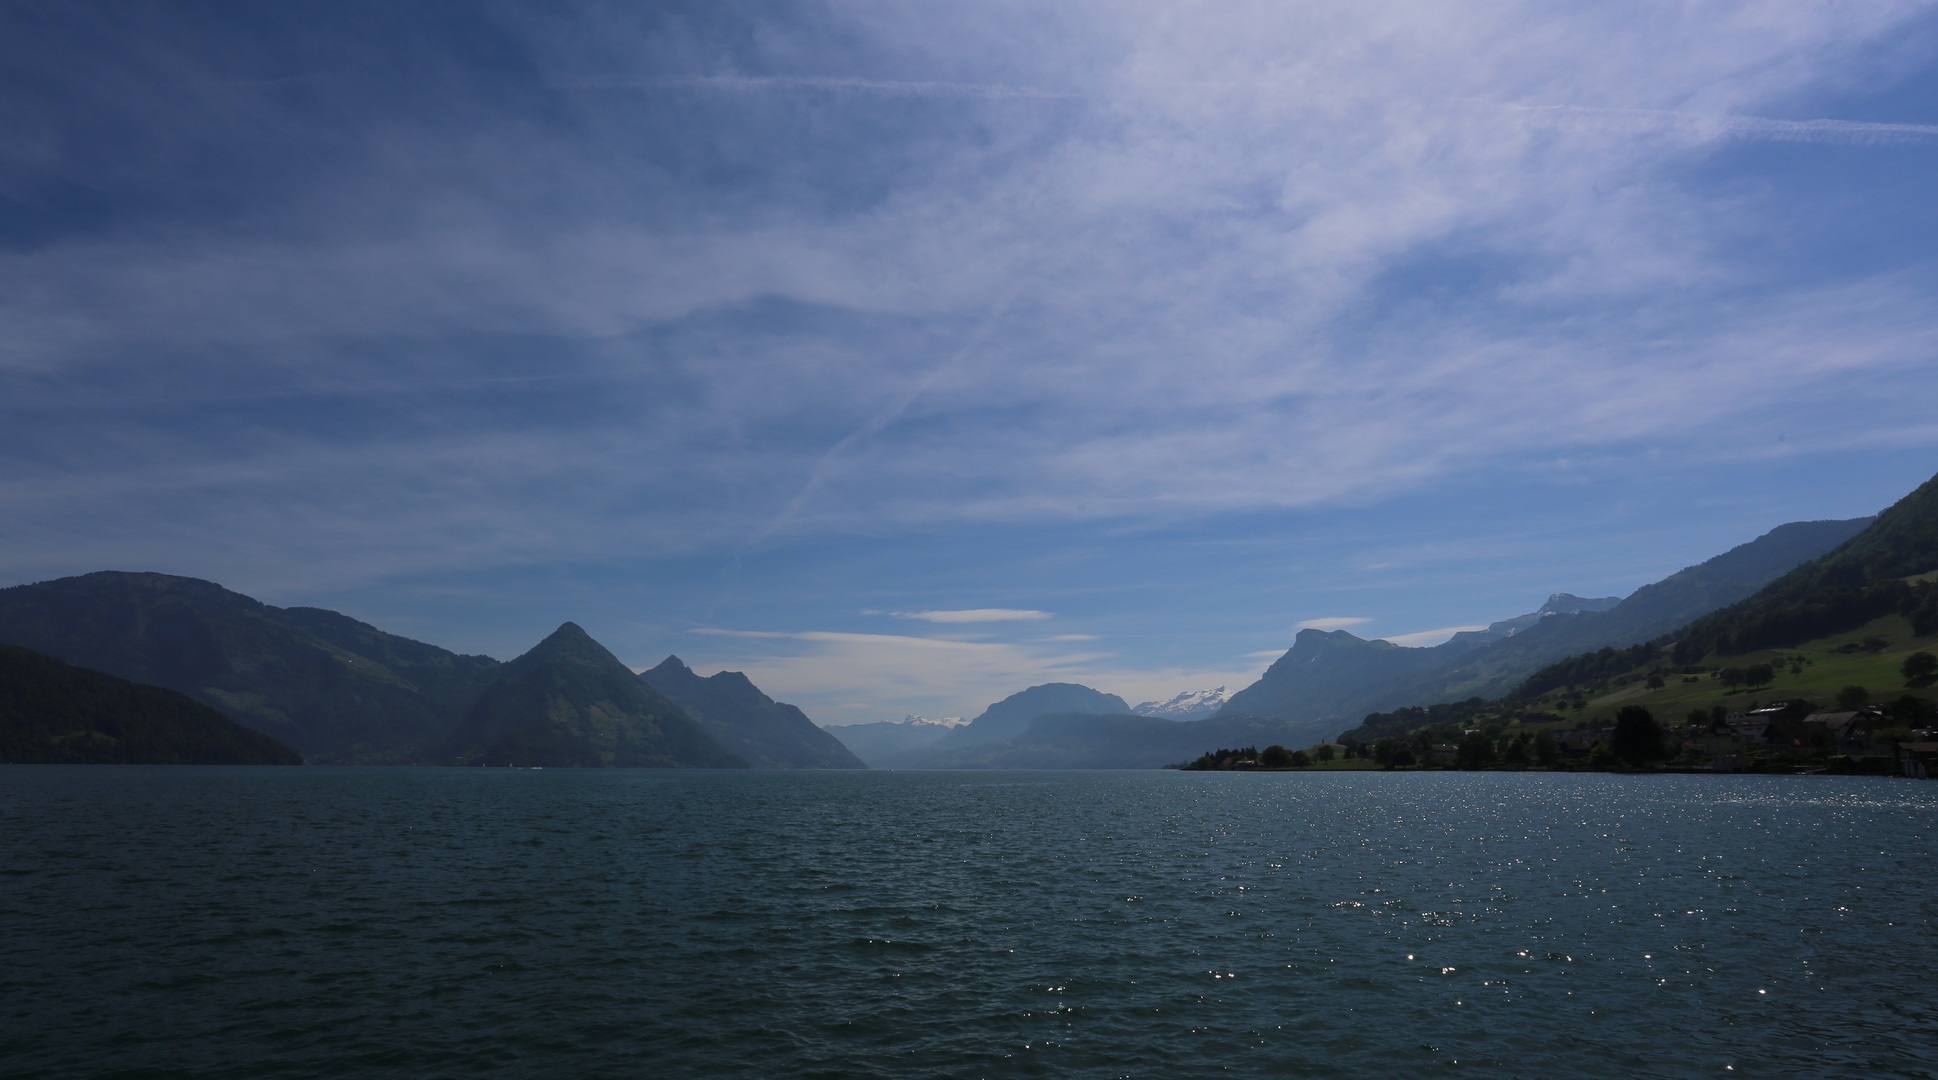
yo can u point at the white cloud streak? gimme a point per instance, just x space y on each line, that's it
770 83
1336 622
976 615
1705 128
1426 638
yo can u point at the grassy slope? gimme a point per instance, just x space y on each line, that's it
1827 672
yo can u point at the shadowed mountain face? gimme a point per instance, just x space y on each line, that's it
1327 678
335 689
570 703
769 734
54 712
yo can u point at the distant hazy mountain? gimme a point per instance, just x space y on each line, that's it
1009 717
337 690
1102 741
1188 705
881 742
54 712
569 702
769 734
1331 680
1013 714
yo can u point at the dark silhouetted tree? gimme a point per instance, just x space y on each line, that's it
1913 709
1918 665
1276 757
1759 675
1638 738
1475 750
1547 750
1516 752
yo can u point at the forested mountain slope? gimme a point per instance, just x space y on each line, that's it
333 688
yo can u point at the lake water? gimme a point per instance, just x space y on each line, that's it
214 922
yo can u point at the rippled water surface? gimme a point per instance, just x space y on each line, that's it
449 922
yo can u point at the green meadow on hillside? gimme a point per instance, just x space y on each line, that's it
1827 666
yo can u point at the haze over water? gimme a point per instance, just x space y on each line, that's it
318 922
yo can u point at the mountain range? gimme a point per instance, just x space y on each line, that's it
769 734
1004 720
339 691
570 703
1329 679
885 740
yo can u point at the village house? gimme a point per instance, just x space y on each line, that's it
1779 721
1919 759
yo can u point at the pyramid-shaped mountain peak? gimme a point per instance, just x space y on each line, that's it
571 640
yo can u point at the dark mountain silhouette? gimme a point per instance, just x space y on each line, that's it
338 690
1327 678
769 734
569 702
55 712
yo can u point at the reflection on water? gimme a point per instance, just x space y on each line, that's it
312 922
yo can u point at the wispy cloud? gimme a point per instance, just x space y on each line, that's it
1424 638
976 615
1708 126
825 83
1335 622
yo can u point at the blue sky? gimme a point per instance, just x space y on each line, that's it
762 333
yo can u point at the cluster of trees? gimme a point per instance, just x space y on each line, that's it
1272 757
1753 676
1477 749
1918 668
1588 669
1637 740
1411 718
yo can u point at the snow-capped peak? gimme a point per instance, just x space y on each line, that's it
913 720
1190 705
